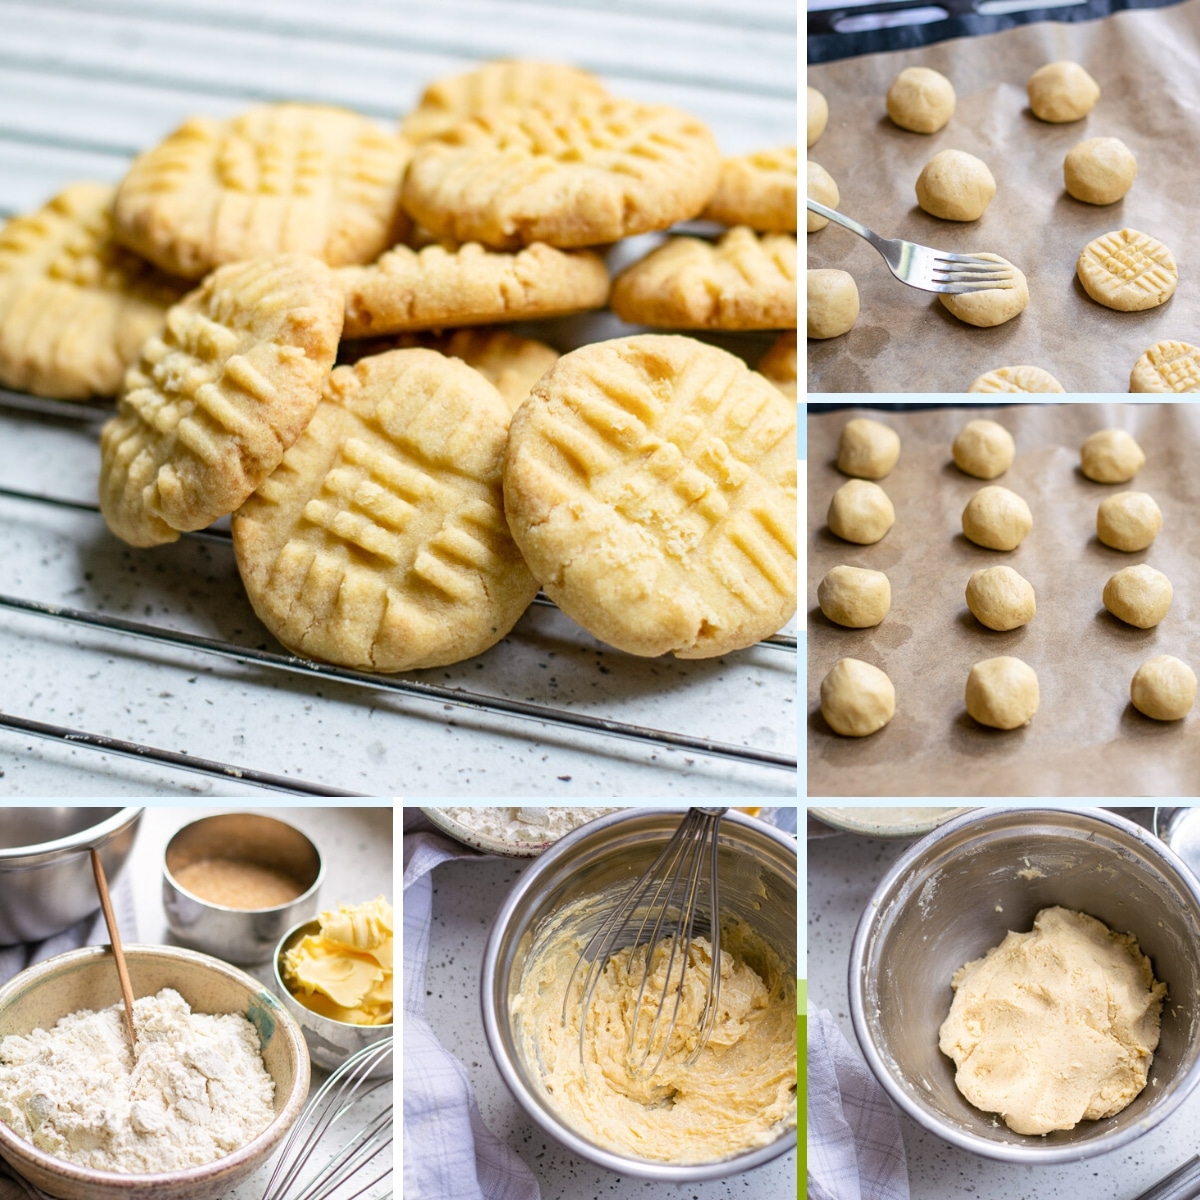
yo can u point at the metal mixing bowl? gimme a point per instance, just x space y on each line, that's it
757 884
46 880
954 895
87 978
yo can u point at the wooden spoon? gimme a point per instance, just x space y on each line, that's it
114 936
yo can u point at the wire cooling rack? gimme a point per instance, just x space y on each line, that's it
135 671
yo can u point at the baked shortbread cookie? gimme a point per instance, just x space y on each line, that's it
758 190
745 281
75 307
650 483
573 172
1016 379
1167 367
380 542
1127 271
280 178
440 287
511 364
779 364
218 396
449 102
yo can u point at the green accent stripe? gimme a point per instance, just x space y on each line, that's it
801 996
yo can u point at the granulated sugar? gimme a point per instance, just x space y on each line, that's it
197 1092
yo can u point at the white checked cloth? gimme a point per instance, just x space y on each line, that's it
449 1154
855 1151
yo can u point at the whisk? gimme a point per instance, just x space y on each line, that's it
350 1164
663 904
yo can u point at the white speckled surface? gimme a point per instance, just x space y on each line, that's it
842 873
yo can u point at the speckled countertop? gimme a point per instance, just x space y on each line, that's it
842 873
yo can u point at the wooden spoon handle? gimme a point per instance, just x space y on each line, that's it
114 936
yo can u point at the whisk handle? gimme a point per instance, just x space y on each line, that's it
711 812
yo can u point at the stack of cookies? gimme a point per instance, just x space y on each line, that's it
384 515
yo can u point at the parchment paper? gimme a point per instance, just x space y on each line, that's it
1086 739
1147 64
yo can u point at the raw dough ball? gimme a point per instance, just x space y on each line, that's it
1139 596
955 186
996 518
1000 598
921 100
855 597
818 114
867 449
992 306
832 306
823 190
1127 271
857 698
1061 91
1111 456
1016 379
1100 170
1128 521
1054 1026
1002 692
861 512
984 449
1167 367
1164 688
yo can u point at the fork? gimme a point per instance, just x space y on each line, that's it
922 266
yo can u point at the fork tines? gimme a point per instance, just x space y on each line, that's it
964 271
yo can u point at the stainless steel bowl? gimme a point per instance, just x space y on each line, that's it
46 881
757 880
237 934
954 895
330 1042
40 995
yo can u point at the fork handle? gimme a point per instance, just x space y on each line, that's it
833 215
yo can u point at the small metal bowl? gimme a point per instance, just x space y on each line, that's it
757 874
46 880
954 895
87 978
330 1042
239 935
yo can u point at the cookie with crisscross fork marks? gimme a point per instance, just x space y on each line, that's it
650 483
578 172
280 178
745 281
75 307
380 542
1167 367
448 102
218 396
1127 271
758 190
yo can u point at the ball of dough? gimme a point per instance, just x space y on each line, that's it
1128 521
1167 367
1061 91
920 100
996 518
991 306
860 512
857 698
984 449
868 449
855 597
1000 598
832 305
818 114
1127 271
1002 692
823 190
1111 456
1164 688
955 186
1099 171
1139 596
1016 379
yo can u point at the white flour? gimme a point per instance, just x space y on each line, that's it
525 825
197 1092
